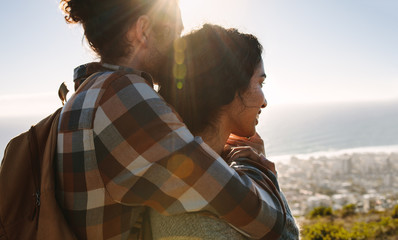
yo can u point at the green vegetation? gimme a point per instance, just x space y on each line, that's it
395 212
324 231
320 212
348 210
348 225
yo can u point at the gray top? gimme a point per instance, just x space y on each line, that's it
201 225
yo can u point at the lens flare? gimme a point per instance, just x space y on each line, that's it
179 67
179 71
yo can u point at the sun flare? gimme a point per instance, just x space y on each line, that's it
221 12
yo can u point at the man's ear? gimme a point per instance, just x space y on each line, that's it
139 33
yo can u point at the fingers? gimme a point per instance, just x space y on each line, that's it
227 149
252 148
255 138
244 151
234 150
237 143
236 140
255 142
245 143
259 147
256 147
236 137
240 142
250 153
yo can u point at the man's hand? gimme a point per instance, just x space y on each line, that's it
250 153
252 148
255 142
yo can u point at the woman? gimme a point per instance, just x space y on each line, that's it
215 84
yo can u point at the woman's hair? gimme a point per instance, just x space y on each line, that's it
207 68
106 22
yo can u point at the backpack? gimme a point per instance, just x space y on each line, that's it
28 207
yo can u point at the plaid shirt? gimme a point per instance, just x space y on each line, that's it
121 148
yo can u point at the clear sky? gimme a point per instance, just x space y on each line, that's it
316 51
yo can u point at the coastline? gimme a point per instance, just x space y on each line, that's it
389 149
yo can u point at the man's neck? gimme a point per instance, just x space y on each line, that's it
133 63
132 60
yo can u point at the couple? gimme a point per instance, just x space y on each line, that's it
127 166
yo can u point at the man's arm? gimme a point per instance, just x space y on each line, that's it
147 156
256 172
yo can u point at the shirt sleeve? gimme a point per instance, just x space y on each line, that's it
255 171
147 156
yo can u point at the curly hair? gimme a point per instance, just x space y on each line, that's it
106 23
205 71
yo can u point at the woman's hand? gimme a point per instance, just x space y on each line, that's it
250 153
255 142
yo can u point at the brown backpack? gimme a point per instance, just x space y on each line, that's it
28 207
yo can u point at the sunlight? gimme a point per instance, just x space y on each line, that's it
221 12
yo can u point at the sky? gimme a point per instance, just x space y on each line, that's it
315 51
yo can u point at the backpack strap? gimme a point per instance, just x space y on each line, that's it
36 153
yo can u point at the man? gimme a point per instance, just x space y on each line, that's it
121 148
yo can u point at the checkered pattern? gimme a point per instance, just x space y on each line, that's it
121 148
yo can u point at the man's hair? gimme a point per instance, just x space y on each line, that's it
207 68
106 22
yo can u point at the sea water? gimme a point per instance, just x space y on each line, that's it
329 128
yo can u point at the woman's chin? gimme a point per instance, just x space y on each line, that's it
245 133
251 132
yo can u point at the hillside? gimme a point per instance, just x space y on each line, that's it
324 224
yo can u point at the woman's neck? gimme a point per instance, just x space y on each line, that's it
216 136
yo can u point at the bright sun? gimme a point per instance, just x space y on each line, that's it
196 13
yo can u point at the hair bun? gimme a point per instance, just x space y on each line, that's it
78 11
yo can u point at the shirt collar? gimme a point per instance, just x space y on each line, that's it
84 71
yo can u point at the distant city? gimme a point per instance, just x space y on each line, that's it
368 180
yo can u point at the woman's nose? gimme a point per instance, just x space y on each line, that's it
264 104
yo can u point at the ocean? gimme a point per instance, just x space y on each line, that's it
298 129
328 128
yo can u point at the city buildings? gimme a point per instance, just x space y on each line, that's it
368 180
